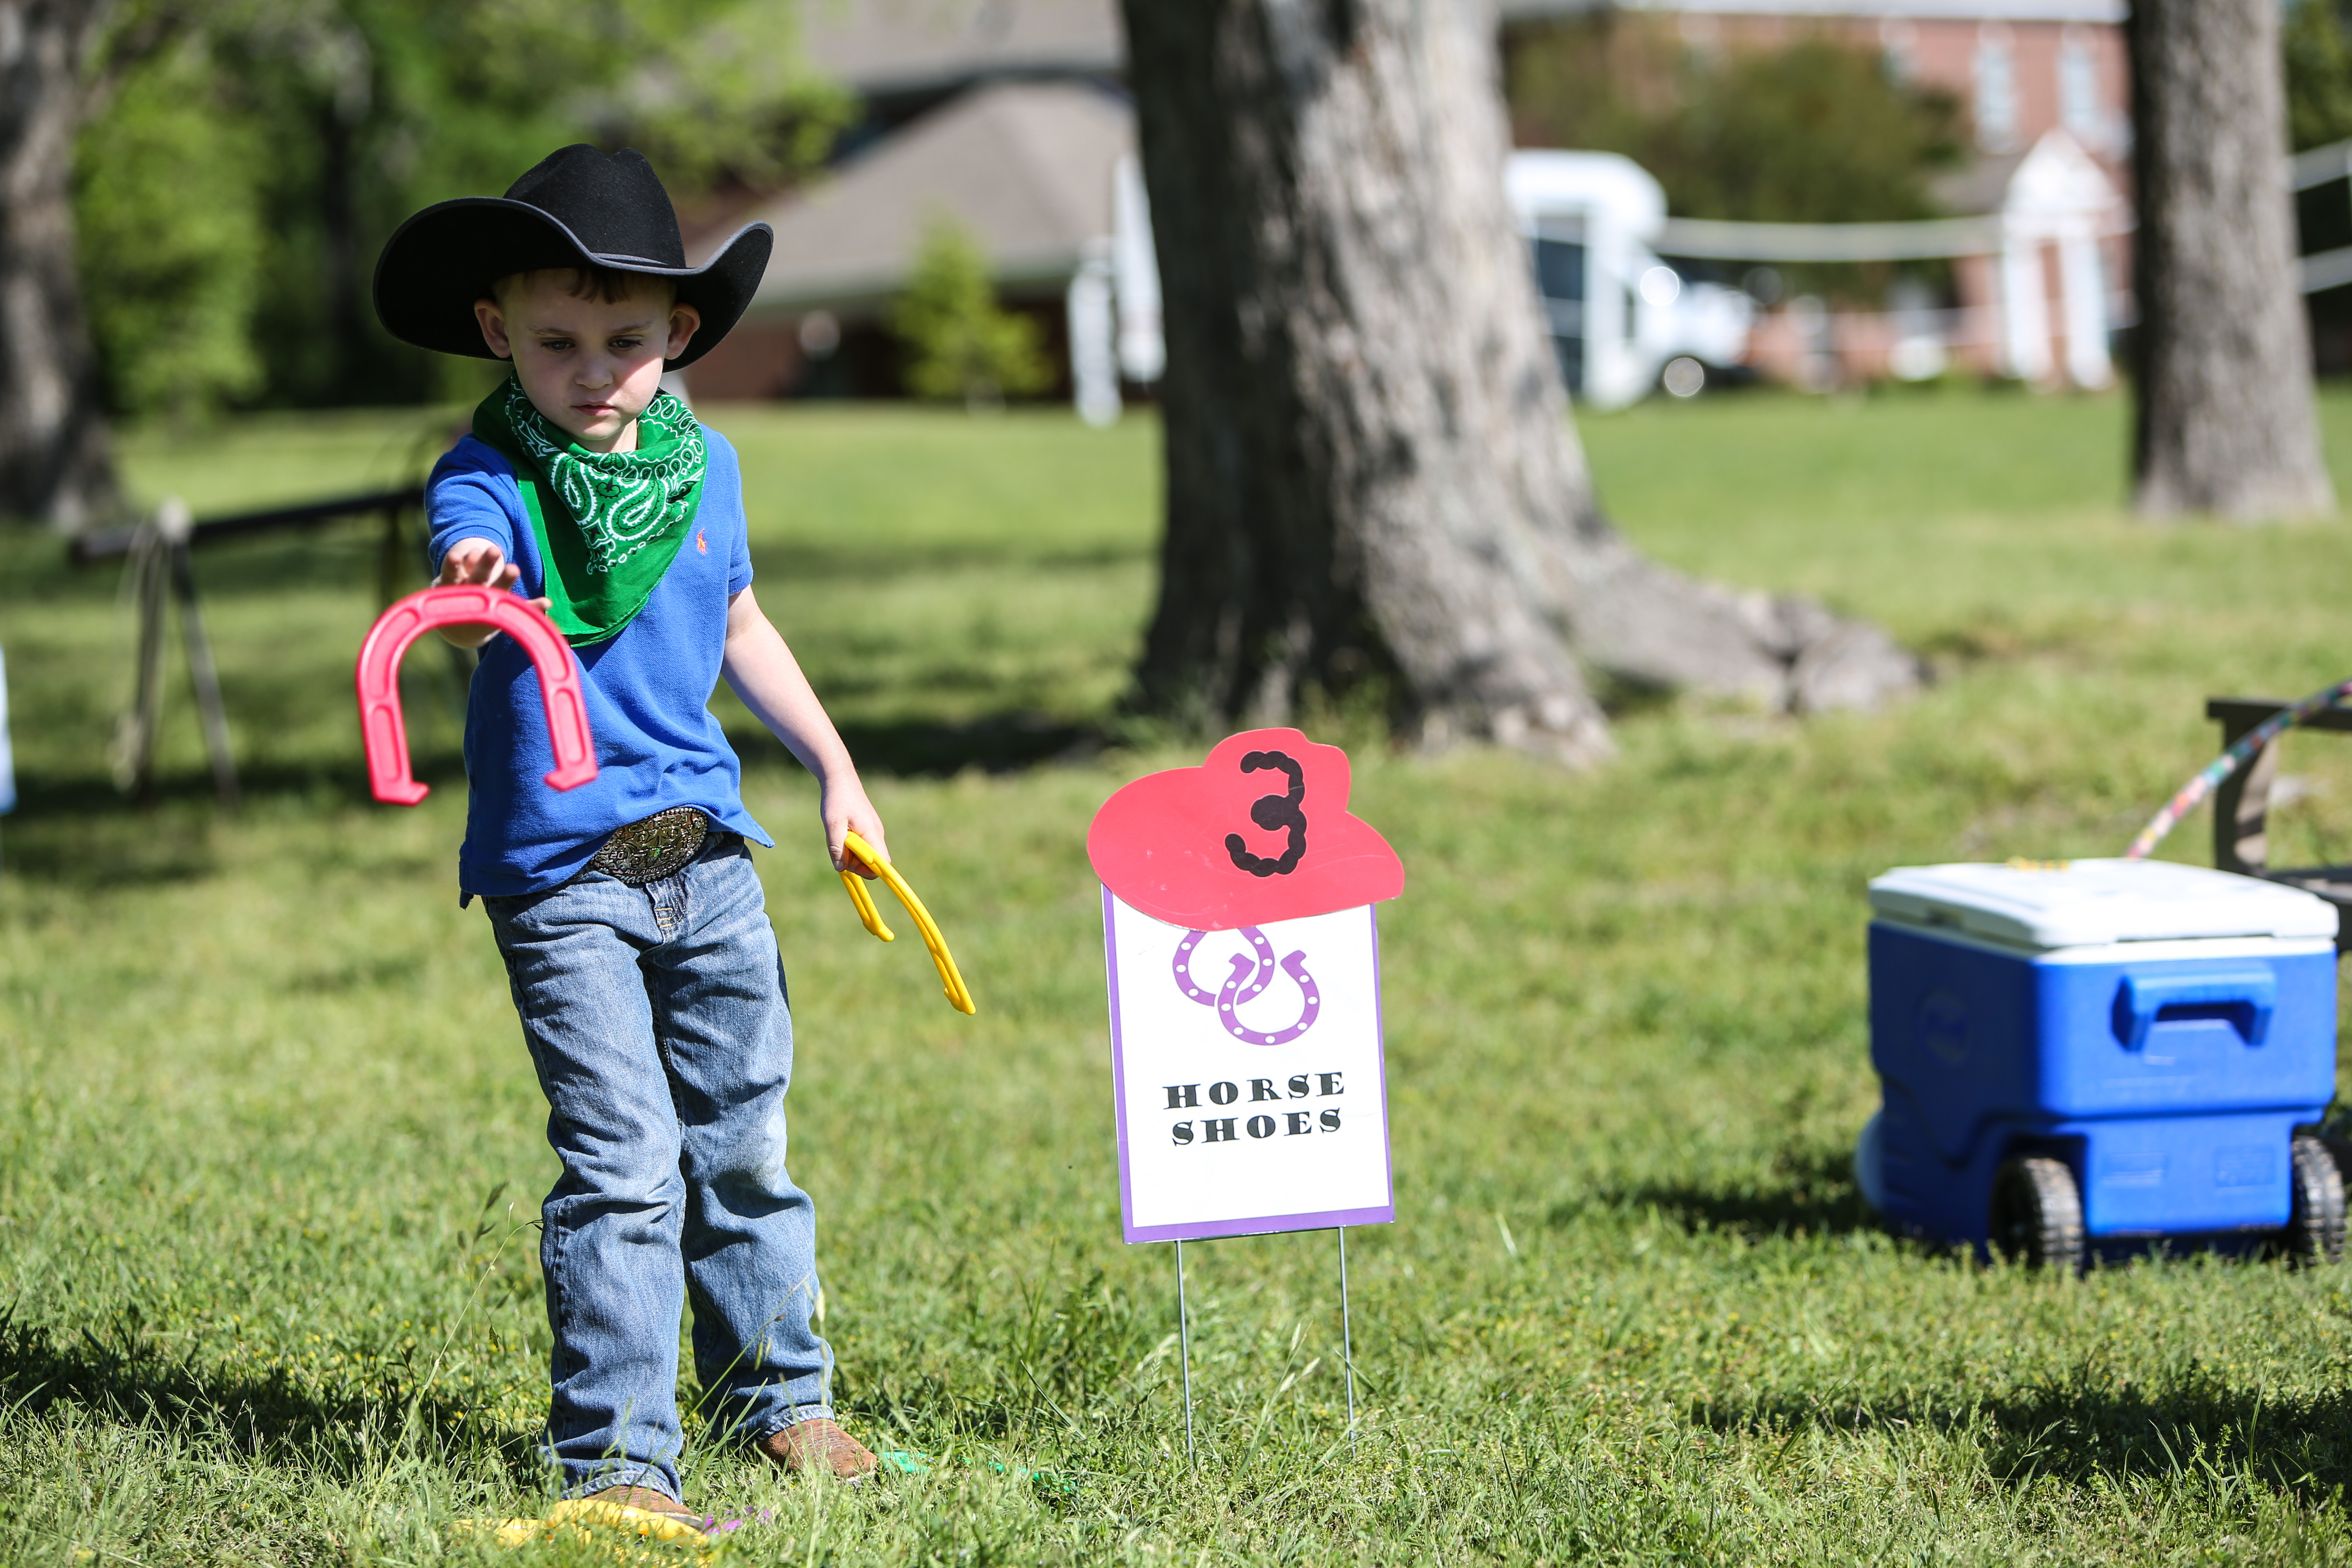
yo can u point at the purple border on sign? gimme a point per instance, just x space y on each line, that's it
1266 1224
1117 1069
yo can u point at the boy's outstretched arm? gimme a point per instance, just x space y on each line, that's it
767 678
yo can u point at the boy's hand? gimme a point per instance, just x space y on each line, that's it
477 562
845 807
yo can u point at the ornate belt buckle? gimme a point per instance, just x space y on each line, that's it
659 845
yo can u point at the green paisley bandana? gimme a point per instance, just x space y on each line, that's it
609 523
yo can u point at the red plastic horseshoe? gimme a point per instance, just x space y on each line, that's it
379 684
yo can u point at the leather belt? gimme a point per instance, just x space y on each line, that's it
659 845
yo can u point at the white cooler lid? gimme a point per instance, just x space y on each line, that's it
2090 903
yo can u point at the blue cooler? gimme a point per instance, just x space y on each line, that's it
2158 1032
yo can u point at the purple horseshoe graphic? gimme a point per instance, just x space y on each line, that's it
1247 982
1263 967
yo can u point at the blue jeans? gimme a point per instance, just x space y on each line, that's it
657 1020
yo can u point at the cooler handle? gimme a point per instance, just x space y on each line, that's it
2145 995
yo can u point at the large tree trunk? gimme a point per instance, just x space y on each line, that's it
340 223
56 463
2226 422
1369 464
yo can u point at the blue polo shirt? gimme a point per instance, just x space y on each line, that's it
648 687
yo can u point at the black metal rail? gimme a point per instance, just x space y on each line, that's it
164 572
110 544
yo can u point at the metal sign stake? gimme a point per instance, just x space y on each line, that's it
1346 1340
1184 1352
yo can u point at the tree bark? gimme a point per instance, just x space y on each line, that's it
1369 464
56 462
339 219
2225 418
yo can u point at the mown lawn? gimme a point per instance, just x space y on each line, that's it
270 1150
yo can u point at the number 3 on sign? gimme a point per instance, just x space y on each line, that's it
1244 994
1274 813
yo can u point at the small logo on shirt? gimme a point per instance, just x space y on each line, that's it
701 545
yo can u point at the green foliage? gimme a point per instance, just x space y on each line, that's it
2319 49
1815 131
1811 132
960 343
326 122
171 239
272 1145
734 103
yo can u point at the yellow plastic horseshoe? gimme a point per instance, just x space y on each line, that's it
959 994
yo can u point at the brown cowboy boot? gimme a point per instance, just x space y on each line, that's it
646 1500
820 1443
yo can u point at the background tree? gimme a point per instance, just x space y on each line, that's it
1812 131
240 163
1371 473
960 343
170 237
2225 417
55 462
2318 54
371 108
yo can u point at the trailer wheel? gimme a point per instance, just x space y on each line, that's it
2037 1214
2315 1226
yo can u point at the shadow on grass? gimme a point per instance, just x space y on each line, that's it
80 831
1811 1193
77 830
116 1373
926 748
2085 1427
812 562
1806 1193
343 556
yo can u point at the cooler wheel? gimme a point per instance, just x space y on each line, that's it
2315 1226
2037 1214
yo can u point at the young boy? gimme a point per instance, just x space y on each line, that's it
635 938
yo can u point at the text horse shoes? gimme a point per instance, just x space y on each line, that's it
379 684
1245 993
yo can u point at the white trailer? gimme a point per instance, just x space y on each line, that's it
1618 315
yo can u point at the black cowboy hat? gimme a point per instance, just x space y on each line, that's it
577 207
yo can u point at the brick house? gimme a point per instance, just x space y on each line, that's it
1009 114
2042 279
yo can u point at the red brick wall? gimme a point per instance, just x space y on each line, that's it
759 358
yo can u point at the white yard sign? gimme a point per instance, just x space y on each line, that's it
1247 1070
1243 960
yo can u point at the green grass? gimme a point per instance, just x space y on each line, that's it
272 1146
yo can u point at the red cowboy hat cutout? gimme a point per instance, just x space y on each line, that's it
1259 832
